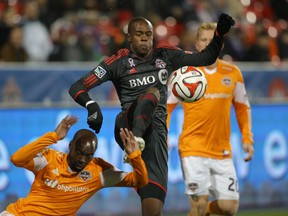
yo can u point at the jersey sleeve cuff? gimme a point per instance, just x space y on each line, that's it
134 154
54 136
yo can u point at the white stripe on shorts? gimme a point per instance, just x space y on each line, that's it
5 213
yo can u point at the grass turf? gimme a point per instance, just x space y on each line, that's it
262 212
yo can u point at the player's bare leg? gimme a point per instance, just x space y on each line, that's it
198 205
152 207
223 207
138 118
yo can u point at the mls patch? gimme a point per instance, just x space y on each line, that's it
99 72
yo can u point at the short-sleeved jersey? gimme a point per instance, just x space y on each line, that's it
57 190
206 128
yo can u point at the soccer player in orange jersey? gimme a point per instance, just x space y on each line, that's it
204 143
63 182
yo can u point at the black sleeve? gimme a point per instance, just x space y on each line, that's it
79 90
107 70
207 57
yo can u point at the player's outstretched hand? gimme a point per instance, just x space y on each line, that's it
64 126
95 117
224 24
249 150
128 140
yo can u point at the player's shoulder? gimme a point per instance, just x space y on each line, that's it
166 45
50 154
100 162
228 66
121 53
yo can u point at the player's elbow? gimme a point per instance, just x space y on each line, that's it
211 61
16 160
78 87
73 90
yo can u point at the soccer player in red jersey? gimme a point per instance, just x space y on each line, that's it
140 74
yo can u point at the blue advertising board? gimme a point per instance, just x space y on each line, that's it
48 85
262 182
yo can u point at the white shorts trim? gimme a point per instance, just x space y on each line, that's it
207 176
5 213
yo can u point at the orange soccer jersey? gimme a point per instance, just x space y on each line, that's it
57 190
206 127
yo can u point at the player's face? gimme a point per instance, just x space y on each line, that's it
204 38
141 38
81 153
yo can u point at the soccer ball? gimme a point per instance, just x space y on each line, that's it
188 84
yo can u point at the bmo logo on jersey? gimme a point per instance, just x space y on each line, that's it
142 81
146 80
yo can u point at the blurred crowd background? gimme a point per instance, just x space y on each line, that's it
90 30
45 45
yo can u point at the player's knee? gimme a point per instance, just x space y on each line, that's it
152 207
150 98
155 92
229 207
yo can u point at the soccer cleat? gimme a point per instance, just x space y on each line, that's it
141 144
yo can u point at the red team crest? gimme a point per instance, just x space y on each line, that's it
159 63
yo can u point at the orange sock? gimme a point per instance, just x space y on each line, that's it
213 208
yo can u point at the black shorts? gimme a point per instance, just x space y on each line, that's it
152 190
155 156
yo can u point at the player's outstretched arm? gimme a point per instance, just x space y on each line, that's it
23 157
139 177
210 54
